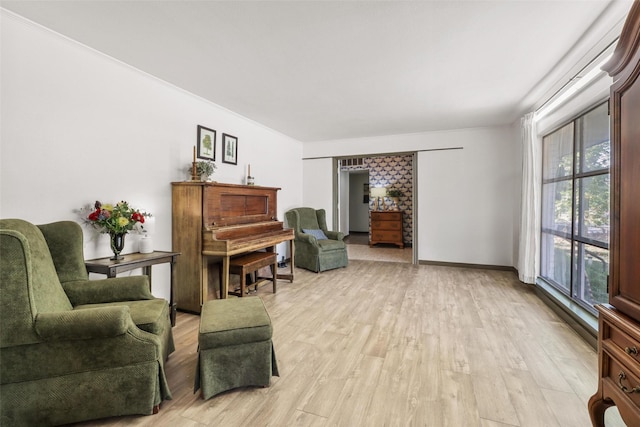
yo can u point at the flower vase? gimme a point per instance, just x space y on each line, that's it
117 244
396 201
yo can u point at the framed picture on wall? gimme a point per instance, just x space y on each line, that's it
206 143
229 149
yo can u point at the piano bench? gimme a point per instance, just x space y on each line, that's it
249 264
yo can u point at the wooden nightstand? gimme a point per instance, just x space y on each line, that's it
386 227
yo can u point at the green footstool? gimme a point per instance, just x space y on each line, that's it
234 346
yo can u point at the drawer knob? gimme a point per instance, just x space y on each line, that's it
633 350
623 376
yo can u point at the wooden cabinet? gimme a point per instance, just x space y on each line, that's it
619 321
386 227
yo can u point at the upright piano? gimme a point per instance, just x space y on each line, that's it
211 222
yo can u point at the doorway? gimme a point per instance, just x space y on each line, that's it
355 178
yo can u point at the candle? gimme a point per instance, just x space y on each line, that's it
194 154
249 170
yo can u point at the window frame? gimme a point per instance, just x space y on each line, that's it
575 179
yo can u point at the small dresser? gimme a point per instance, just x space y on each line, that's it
386 227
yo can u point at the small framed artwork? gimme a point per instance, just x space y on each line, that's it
229 149
206 143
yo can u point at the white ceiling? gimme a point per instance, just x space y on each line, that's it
318 70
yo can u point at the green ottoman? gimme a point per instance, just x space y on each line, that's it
234 346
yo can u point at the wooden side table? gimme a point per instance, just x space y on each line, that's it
137 260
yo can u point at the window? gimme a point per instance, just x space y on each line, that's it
575 208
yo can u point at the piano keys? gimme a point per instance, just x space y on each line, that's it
211 222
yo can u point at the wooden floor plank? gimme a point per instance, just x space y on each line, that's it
492 397
568 408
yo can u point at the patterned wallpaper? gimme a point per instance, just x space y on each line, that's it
390 172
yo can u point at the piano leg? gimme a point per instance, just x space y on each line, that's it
224 282
204 277
292 264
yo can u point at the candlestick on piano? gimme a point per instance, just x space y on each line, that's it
250 179
194 168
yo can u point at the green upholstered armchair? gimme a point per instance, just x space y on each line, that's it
310 252
72 349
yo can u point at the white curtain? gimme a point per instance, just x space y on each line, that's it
529 244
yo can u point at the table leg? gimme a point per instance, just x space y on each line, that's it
173 307
146 270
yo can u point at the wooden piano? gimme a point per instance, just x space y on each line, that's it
211 222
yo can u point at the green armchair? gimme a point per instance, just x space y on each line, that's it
72 349
313 253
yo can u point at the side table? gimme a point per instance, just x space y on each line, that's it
137 260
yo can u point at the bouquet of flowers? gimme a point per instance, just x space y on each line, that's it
116 219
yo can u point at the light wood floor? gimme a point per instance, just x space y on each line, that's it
358 249
395 344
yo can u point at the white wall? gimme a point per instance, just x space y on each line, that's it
359 211
344 205
466 197
318 186
78 126
516 136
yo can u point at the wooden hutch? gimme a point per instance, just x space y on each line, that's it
619 321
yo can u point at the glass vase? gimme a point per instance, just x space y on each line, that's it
117 244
